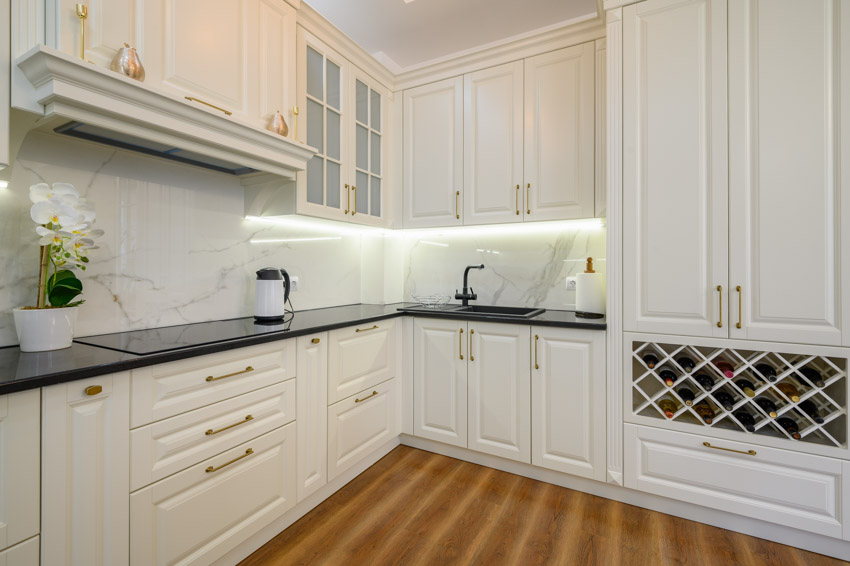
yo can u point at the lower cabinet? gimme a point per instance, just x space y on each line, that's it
22 554
312 408
19 469
201 513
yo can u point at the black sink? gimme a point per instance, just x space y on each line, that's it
486 311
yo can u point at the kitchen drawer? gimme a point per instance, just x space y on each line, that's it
166 390
198 515
360 424
790 488
165 447
360 357
22 554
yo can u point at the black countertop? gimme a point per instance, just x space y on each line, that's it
109 353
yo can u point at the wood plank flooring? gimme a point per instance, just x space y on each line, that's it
418 508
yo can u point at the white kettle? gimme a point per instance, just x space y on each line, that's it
271 294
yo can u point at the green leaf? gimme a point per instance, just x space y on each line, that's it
62 287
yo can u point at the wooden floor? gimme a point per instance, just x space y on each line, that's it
414 507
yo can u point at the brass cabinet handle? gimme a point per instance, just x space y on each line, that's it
219 108
517 199
738 288
460 344
457 196
366 397
720 296
366 329
247 453
93 389
315 340
210 431
348 197
747 453
295 123
471 357
354 208
536 339
240 372
528 199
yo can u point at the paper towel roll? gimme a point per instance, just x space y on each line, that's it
590 293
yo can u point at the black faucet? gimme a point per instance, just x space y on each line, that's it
468 294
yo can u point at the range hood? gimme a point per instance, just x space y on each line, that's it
89 102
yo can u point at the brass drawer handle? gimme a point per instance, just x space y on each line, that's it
747 453
366 329
93 389
315 340
536 339
528 198
738 288
220 109
460 344
247 453
457 213
348 196
367 397
354 208
246 370
210 431
517 200
720 310
471 357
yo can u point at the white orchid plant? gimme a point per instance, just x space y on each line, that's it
66 226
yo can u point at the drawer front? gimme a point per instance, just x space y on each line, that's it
360 424
360 357
793 489
166 447
165 390
196 516
23 554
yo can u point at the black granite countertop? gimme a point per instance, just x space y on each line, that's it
109 353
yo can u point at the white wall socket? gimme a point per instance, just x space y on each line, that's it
571 283
293 283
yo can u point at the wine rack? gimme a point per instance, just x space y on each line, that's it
828 397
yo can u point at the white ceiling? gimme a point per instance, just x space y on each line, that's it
404 35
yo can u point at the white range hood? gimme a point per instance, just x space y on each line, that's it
86 101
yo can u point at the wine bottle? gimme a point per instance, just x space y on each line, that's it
746 419
669 407
650 360
705 381
767 371
724 399
790 427
746 386
668 375
705 411
687 395
724 367
811 409
789 390
687 364
813 375
767 406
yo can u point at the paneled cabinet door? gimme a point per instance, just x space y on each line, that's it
439 380
674 158
568 401
360 357
785 133
367 150
312 413
19 466
85 474
109 24
499 390
433 154
277 62
492 145
559 134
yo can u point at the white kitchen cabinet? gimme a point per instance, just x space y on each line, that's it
559 134
19 466
85 476
312 407
276 38
492 145
440 380
499 405
22 554
360 357
367 166
674 167
109 24
433 155
568 401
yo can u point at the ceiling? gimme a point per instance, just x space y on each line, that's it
405 35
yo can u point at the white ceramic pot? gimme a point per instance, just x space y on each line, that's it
40 330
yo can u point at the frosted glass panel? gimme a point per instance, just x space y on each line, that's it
362 103
333 185
333 135
315 180
362 193
315 125
376 153
314 74
375 197
376 111
362 148
334 91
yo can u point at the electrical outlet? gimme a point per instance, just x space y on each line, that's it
293 283
571 283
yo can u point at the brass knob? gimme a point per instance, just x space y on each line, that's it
93 389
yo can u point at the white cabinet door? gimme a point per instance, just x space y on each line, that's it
360 357
19 466
500 390
439 380
367 169
312 413
109 24
492 145
23 554
559 134
433 154
277 63
674 180
568 401
784 220
85 475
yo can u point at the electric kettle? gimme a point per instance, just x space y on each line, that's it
271 294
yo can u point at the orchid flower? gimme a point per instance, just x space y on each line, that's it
55 211
43 191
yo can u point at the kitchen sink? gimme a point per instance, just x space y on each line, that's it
485 311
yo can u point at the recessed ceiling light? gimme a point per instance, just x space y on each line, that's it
408 1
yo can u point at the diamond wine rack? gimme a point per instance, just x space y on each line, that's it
807 393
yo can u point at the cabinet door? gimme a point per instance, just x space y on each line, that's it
19 466
500 390
109 24
439 380
492 145
674 158
277 61
360 357
312 413
23 554
433 154
559 134
85 474
568 401
368 150
785 222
